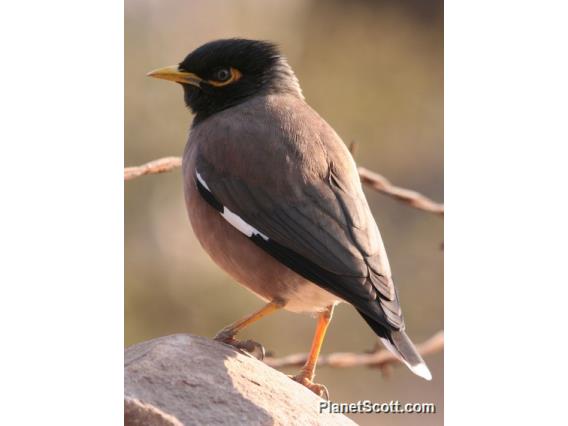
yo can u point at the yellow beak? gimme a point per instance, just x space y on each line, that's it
173 73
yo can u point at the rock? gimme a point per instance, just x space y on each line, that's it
189 380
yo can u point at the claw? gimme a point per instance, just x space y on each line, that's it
318 389
253 348
247 347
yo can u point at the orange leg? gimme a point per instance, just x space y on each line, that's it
308 371
227 335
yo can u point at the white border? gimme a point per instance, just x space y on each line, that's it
61 218
506 151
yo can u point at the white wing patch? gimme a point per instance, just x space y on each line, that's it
240 224
202 181
235 220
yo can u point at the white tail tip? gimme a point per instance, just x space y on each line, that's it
422 371
418 369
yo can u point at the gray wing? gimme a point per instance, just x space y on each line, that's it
308 202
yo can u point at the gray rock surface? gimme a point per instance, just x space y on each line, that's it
189 380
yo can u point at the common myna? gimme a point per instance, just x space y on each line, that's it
274 197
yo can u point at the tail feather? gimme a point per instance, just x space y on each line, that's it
401 345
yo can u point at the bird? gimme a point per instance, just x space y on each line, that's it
274 197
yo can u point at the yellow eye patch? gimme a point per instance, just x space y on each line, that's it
235 76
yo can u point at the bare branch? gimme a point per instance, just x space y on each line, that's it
412 198
372 179
379 358
161 165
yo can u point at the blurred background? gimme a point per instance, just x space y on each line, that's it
374 71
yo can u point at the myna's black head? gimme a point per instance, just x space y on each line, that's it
224 73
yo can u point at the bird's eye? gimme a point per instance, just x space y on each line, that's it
224 77
223 74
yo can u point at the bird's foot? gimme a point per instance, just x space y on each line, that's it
247 347
319 390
